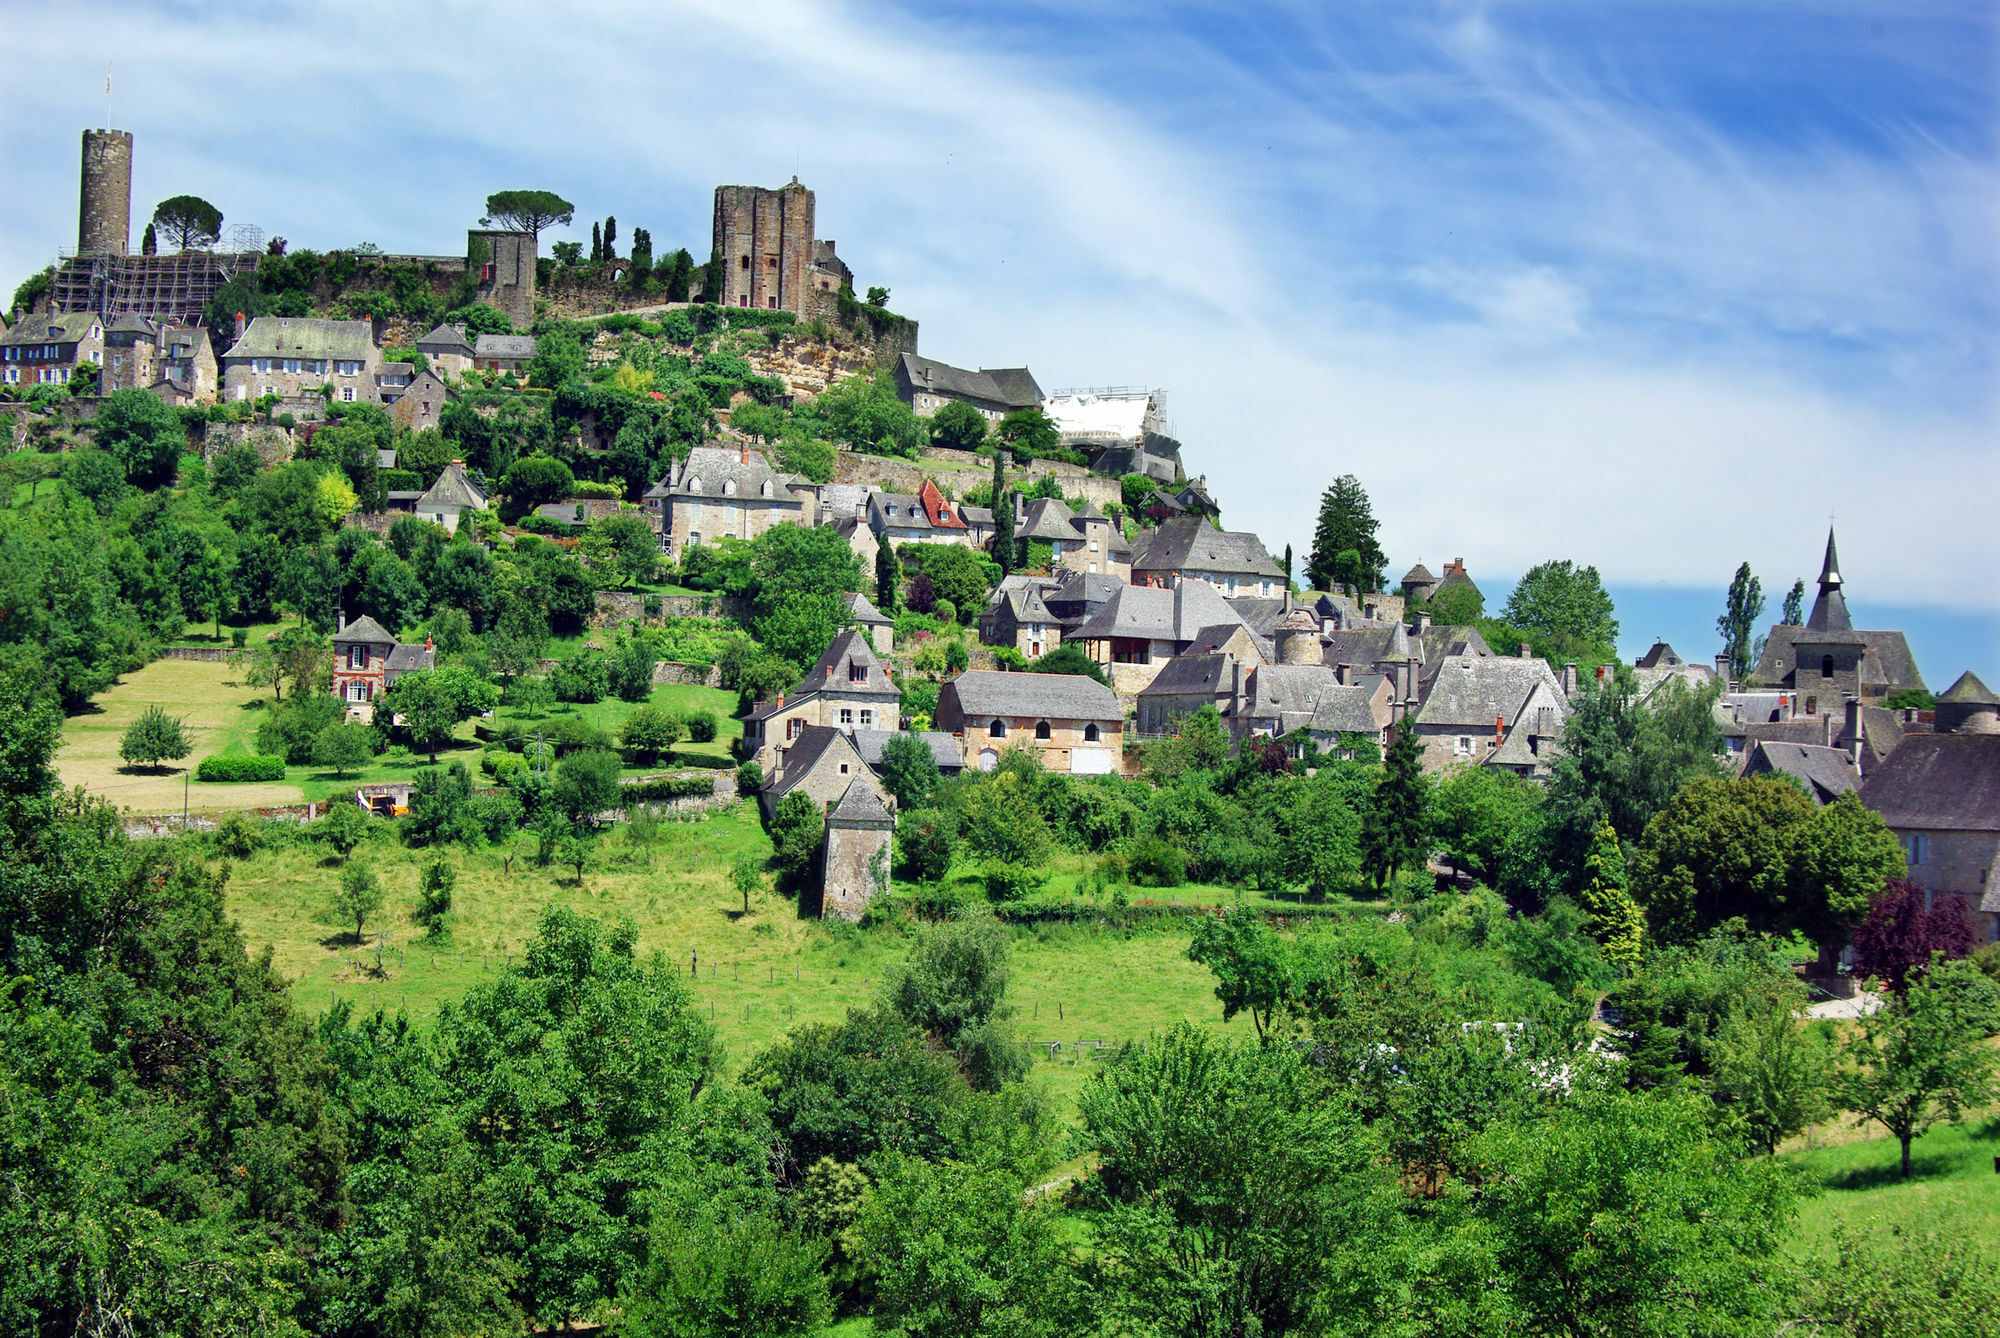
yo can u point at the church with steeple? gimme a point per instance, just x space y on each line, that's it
1827 660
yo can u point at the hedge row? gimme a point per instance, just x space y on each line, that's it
241 767
661 788
1081 912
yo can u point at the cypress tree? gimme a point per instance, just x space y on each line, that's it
1003 516
888 572
596 244
1392 831
1738 622
1615 919
610 236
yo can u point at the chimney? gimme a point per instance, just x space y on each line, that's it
1235 684
1601 672
1499 729
1423 622
1340 674
340 621
746 453
1527 651
1826 730
1784 706
240 324
428 643
1856 727
1569 679
781 699
1722 669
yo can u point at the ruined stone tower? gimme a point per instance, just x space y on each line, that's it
501 265
765 241
104 205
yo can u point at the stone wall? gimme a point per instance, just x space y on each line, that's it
274 444
690 675
616 607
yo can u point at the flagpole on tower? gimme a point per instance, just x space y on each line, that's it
107 95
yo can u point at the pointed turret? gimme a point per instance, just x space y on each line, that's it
1829 611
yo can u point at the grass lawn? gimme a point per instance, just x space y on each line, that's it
761 973
1952 1182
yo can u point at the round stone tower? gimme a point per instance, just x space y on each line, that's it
104 207
1297 635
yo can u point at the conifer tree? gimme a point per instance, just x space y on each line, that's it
1393 829
888 573
596 243
1615 918
610 236
1003 515
1346 526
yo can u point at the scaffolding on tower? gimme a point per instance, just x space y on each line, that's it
176 288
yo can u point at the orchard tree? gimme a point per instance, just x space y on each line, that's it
358 896
187 223
343 748
343 828
586 784
1921 1058
434 702
1346 526
153 738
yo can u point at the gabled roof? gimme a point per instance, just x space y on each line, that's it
1661 656
857 607
1938 782
1024 605
444 341
363 631
1186 675
1189 542
1827 772
718 471
984 692
832 673
504 346
937 509
1472 691
1155 614
305 337
1046 518
453 490
1348 708
66 328
1780 660
1287 692
904 510
1011 388
860 806
1087 587
1016 385
806 751
944 749
132 323
406 658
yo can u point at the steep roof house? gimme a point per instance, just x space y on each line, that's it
448 349
1074 721
879 627
453 494
503 353
420 402
927 385
1019 618
821 763
43 350
1476 705
367 660
849 688
1141 627
717 492
860 844
294 357
1827 660
1235 563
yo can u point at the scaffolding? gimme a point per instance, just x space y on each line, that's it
173 288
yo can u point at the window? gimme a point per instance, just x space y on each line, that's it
357 657
260 364
357 692
1042 731
867 718
347 394
291 364
792 728
1826 666
843 768
771 262
846 717
997 730
694 538
1463 747
486 272
729 487
13 376
857 673
774 304
1090 732
746 262
743 301
1917 847
96 357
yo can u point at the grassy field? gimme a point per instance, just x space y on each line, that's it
1952 1182
760 973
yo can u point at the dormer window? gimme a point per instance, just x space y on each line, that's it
729 487
767 488
857 673
694 484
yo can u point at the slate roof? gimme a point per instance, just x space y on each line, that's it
1369 646
1827 772
1288 693
977 517
1047 518
1780 660
1024 605
1191 542
1087 587
1473 690
132 323
1017 386
944 749
708 469
1661 656
1968 689
830 674
985 692
405 658
857 607
305 337
860 806
1156 614
1189 675
1938 782
1454 639
453 489
1261 615
67 328
796 762
444 341
1348 708
902 509
504 346
1018 391
1419 575
363 631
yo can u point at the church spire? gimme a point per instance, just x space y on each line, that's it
1829 572
1829 611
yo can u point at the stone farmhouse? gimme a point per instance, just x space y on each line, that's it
719 491
186 371
849 689
1827 660
819 762
447 349
46 350
367 661
503 353
1234 562
1020 619
1075 722
450 497
1492 710
293 358
927 385
419 403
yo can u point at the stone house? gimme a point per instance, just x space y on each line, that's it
860 846
1189 548
879 628
1081 542
820 763
447 349
1141 627
944 748
1363 707
1074 721
187 363
420 403
903 518
1824 773
1475 705
1018 618
295 357
46 350
850 688
927 385
1183 686
131 354
718 491
504 353
453 494
1828 660
1940 794
367 660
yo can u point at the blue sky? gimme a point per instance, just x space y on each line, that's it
1653 286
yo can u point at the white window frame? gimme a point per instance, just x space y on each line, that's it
347 394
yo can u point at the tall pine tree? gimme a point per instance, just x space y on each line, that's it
1346 525
888 576
1003 515
1394 827
596 243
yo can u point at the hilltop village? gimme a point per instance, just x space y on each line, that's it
651 706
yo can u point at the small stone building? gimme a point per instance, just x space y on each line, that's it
187 364
1018 618
879 628
46 350
927 385
848 689
367 660
453 494
504 353
1475 704
820 763
860 844
420 403
447 349
1073 720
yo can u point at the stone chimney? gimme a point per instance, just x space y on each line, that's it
1826 730
1423 621
1569 679
1722 669
1527 651
1499 729
241 325
746 453
340 621
1856 727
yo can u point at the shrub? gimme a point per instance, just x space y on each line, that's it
241 767
651 733
238 837
583 677
153 738
926 840
1154 863
945 612
296 723
1011 882
701 726
749 779
661 789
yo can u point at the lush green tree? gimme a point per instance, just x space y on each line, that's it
926 840
1395 825
1920 1059
586 784
1565 612
532 481
956 574
144 433
746 1275
1616 921
1234 1192
624 545
1030 433
650 733
954 1249
797 829
96 476
558 358
629 669
1674 1005
1843 860
153 738
1457 605
434 702
864 414
1738 624
294 726
909 771
953 986
187 223
1482 817
1320 834
888 579
528 211
746 875
1795 608
1553 947
343 828
1625 1215
1914 1280
800 574
1256 969
1346 524
1770 1067
440 807
358 896
958 426
343 748
434 889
